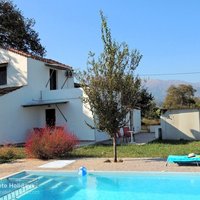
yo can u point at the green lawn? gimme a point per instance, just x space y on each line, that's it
154 149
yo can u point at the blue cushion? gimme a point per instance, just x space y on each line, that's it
183 159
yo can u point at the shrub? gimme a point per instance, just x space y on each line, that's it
50 143
7 154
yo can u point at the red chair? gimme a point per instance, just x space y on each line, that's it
38 130
127 134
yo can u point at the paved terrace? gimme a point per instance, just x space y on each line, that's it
140 139
143 138
98 164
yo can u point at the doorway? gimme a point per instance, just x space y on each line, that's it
50 117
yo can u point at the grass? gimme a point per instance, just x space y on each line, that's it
19 152
11 153
155 149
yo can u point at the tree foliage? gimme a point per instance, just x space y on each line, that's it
153 112
145 102
110 85
197 101
181 96
17 32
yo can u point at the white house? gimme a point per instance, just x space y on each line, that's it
180 124
35 92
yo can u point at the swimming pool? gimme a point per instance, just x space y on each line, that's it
32 185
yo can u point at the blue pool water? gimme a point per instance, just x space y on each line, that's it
101 186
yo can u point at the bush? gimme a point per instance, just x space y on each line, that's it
7 154
50 143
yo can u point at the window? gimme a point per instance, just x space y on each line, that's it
3 75
53 79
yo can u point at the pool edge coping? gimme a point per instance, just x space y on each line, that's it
94 171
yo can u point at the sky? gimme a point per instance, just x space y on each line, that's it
166 32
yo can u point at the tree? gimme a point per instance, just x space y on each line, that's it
181 96
17 32
153 111
145 101
197 101
110 85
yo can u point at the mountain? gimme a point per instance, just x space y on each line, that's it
158 88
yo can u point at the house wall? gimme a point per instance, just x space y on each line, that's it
16 122
77 114
136 120
16 68
38 78
154 128
181 124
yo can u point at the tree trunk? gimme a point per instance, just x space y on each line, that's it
115 149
